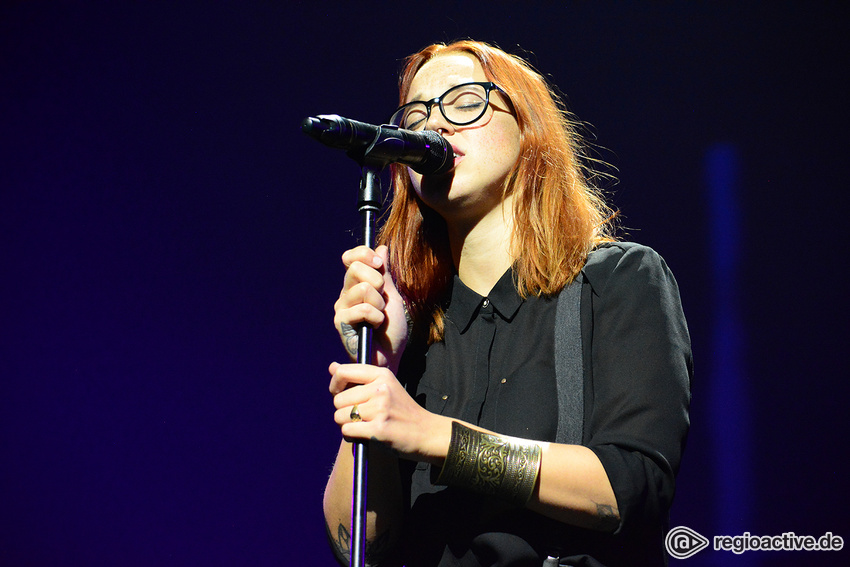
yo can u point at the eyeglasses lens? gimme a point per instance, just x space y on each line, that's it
460 105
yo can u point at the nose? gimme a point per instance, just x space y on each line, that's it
437 122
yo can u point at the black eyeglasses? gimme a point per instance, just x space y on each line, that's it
460 105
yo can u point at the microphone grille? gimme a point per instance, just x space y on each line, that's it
440 157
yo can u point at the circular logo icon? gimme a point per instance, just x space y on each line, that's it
682 542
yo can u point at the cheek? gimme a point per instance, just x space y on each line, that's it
512 142
502 142
504 152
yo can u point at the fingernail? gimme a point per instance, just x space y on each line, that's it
376 261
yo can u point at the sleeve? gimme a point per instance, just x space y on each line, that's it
639 385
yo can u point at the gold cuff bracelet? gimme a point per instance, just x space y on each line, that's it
505 467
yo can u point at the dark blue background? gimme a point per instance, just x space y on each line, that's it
170 255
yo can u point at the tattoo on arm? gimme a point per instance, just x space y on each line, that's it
341 544
375 549
349 338
607 517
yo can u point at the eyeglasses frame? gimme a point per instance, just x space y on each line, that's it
488 87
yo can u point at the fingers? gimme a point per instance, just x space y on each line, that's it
362 299
362 303
357 389
364 255
356 413
364 264
370 403
344 378
369 297
360 273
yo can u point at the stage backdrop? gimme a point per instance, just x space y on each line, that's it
170 242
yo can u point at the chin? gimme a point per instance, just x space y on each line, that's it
434 186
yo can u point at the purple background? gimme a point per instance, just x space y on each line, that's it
170 249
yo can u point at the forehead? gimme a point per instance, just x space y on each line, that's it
443 72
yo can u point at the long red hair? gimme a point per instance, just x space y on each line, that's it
559 214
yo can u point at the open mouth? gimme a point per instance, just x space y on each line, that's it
457 153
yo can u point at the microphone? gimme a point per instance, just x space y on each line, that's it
425 152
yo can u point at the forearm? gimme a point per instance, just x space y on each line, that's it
574 488
571 483
384 501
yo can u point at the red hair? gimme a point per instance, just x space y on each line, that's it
559 215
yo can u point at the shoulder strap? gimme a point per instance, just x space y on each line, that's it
569 367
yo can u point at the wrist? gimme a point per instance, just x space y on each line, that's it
500 466
436 438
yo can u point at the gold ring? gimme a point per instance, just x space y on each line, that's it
355 414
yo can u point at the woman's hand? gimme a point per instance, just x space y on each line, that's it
387 413
369 296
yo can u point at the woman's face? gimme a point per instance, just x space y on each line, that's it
485 151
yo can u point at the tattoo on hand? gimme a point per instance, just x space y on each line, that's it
350 338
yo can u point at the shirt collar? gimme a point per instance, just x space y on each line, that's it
465 304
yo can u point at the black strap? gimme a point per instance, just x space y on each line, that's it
569 368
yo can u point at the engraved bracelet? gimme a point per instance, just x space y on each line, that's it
505 467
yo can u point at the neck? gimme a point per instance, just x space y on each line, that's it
481 249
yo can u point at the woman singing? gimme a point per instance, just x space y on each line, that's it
528 401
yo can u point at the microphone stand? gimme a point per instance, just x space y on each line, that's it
373 158
368 205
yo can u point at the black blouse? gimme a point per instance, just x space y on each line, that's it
495 368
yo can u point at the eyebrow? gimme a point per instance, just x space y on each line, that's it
418 97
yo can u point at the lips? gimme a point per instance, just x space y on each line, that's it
457 153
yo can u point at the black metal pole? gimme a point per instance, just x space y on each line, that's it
368 204
336 132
